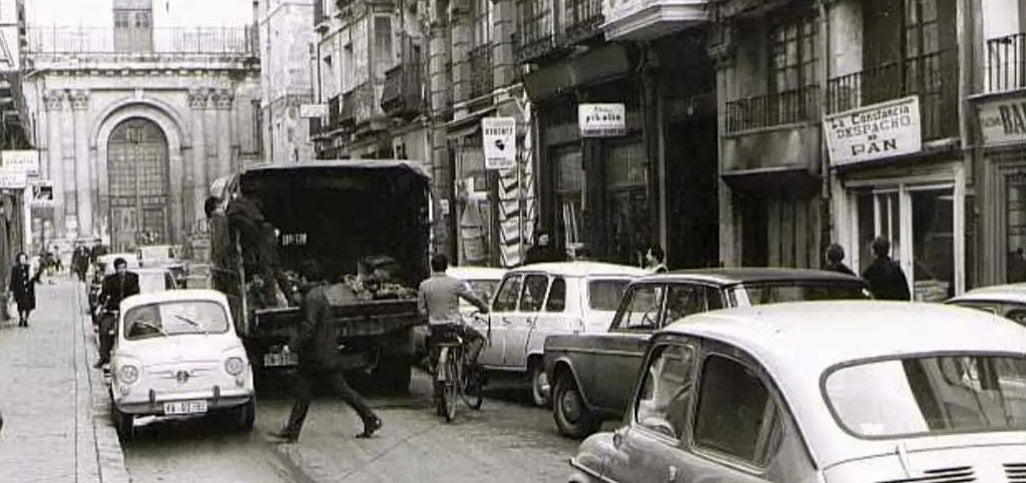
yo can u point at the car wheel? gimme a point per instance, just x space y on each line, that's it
573 418
124 423
245 416
540 390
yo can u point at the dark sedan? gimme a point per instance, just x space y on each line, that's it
592 374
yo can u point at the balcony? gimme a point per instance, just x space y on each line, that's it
649 19
932 77
367 104
175 43
583 21
347 111
535 39
791 107
1006 63
481 75
316 127
334 112
403 94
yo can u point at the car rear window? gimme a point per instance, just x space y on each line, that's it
802 291
605 295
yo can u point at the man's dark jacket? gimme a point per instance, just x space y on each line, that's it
316 341
543 254
115 289
886 280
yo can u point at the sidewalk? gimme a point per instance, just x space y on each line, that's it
55 406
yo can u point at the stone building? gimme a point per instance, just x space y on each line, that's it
286 75
137 115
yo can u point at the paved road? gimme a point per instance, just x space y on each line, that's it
507 441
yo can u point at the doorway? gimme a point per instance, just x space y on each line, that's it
137 170
692 201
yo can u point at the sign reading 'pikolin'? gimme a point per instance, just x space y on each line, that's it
874 132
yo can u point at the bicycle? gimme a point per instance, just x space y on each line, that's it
455 380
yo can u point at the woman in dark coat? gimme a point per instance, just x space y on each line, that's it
23 288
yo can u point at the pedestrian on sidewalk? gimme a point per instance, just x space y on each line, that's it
655 259
835 260
23 287
885 278
116 287
316 342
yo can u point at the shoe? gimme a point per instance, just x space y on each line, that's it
370 426
99 365
282 437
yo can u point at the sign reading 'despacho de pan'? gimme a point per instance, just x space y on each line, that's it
872 132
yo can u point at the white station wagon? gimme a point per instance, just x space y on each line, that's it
824 392
177 356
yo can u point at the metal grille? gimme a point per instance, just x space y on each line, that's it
138 175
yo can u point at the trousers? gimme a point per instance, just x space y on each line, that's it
107 323
336 383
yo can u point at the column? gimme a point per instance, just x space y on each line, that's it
67 138
461 40
503 58
194 172
54 101
212 130
80 106
224 138
441 92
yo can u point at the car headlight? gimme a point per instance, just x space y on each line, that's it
234 366
128 374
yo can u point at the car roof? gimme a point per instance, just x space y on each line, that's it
582 269
199 294
109 258
476 273
1014 292
736 275
798 341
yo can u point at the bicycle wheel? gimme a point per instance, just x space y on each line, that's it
449 396
471 393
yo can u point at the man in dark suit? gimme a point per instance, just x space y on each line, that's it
316 342
885 278
116 288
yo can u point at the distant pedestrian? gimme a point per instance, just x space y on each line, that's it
655 259
543 251
316 343
885 278
23 287
835 260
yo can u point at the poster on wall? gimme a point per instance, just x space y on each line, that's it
42 194
602 120
14 178
872 132
499 138
24 159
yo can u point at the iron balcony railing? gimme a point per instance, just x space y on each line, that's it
403 93
368 104
347 112
239 41
334 111
1006 63
535 36
583 20
932 77
795 106
480 60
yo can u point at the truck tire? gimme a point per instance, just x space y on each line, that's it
572 416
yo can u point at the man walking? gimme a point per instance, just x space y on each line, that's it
116 287
835 260
316 342
543 251
439 299
885 278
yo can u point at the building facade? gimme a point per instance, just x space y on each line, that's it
16 229
286 77
137 114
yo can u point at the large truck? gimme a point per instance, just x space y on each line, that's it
366 223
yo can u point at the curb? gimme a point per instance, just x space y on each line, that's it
110 459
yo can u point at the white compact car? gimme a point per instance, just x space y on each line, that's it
823 392
1008 301
177 356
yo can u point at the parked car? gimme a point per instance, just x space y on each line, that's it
833 392
1008 301
537 301
484 281
177 356
592 373
165 256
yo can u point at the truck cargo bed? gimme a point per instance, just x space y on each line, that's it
355 319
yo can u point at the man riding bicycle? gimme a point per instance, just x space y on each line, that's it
438 298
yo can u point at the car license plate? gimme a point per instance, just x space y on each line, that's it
185 407
278 359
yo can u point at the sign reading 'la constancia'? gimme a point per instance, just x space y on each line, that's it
873 132
1003 121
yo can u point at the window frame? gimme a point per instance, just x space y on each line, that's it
616 324
695 346
805 28
548 298
505 280
523 290
706 289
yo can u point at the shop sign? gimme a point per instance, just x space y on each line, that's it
1002 121
24 159
13 178
602 120
313 110
42 194
872 132
499 136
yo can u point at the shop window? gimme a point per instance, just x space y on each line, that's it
1015 265
569 193
879 214
628 217
933 244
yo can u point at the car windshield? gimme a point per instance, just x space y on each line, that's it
919 395
801 291
605 295
175 318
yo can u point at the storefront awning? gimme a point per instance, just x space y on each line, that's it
775 179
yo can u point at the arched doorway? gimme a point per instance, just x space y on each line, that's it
137 170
